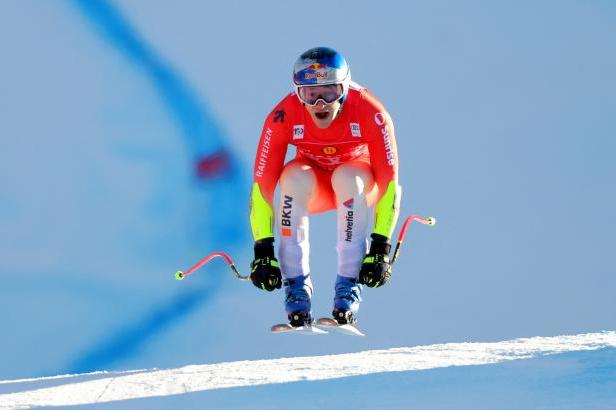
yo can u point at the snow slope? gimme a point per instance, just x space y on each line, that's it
124 387
505 119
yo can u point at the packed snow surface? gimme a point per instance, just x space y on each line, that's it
106 387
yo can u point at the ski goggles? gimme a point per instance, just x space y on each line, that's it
328 93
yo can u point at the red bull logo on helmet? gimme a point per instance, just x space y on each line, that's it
316 71
317 66
315 75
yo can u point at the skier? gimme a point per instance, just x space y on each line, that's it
346 159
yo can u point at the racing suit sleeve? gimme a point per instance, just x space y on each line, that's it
269 162
384 161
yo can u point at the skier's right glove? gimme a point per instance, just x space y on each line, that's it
265 273
376 270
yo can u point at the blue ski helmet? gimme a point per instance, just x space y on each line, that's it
321 66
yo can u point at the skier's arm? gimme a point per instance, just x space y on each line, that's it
375 270
384 160
268 165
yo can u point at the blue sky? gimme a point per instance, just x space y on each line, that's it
505 117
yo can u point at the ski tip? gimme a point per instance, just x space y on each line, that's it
179 275
282 327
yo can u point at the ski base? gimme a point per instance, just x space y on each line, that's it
344 329
287 328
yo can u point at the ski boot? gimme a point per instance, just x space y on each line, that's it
297 302
346 301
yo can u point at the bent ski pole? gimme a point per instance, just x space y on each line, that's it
179 275
430 221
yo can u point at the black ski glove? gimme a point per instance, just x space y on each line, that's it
375 270
265 271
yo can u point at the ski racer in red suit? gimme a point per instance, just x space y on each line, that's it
346 159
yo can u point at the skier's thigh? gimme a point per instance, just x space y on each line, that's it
298 180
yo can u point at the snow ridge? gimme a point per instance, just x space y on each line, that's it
151 383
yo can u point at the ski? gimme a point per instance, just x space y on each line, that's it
307 330
347 329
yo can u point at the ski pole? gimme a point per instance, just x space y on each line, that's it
430 221
179 275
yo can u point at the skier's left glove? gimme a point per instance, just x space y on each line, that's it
376 270
265 271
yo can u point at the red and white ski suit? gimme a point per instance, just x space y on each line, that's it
349 166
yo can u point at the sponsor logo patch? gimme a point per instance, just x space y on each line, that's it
286 214
329 150
279 116
262 161
389 153
349 226
298 132
315 75
348 232
317 66
355 131
379 119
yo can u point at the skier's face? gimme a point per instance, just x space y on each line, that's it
323 114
